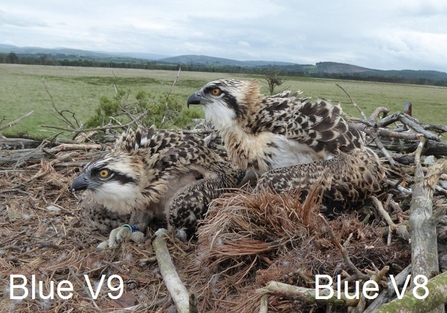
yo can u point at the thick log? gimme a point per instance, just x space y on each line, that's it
424 247
18 143
422 221
20 157
436 297
432 147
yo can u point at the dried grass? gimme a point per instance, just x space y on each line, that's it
248 240
43 232
245 241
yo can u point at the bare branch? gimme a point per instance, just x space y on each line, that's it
424 248
353 102
306 295
165 116
436 297
61 113
343 250
377 111
410 122
11 124
77 146
177 290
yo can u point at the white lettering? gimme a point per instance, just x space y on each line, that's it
400 295
68 289
319 286
12 286
119 288
90 288
367 290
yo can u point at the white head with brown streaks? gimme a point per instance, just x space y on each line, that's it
227 101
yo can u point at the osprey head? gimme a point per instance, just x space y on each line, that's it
226 100
114 181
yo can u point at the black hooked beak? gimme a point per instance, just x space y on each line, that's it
80 183
194 99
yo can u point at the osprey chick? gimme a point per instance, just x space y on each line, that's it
264 133
162 174
345 180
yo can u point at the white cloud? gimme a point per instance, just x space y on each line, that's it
381 34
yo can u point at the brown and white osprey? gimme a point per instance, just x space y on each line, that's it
264 133
168 175
345 181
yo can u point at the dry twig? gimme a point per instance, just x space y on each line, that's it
353 102
61 113
343 250
11 124
306 295
177 290
167 97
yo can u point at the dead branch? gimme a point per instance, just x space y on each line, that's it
70 147
61 113
386 294
405 137
401 189
383 213
385 152
177 290
435 128
167 98
437 296
424 248
375 114
18 143
353 102
263 308
402 144
11 124
410 122
306 295
401 230
76 132
343 250
376 276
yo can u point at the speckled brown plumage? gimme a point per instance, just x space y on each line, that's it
161 174
264 133
346 180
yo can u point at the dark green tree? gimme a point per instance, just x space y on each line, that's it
12 58
161 111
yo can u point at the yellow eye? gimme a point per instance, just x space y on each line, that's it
104 173
216 92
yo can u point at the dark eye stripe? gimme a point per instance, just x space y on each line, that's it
122 178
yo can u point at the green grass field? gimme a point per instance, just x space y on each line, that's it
79 89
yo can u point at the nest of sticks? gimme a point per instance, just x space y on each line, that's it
248 240
254 252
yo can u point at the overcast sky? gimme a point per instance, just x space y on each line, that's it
382 34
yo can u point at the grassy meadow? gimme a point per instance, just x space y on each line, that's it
79 90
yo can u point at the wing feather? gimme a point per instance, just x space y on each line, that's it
316 123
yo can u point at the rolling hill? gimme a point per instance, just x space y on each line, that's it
320 69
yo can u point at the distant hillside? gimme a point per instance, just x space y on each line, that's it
319 69
338 68
29 51
76 57
55 51
213 61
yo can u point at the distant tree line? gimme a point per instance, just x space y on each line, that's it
281 70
